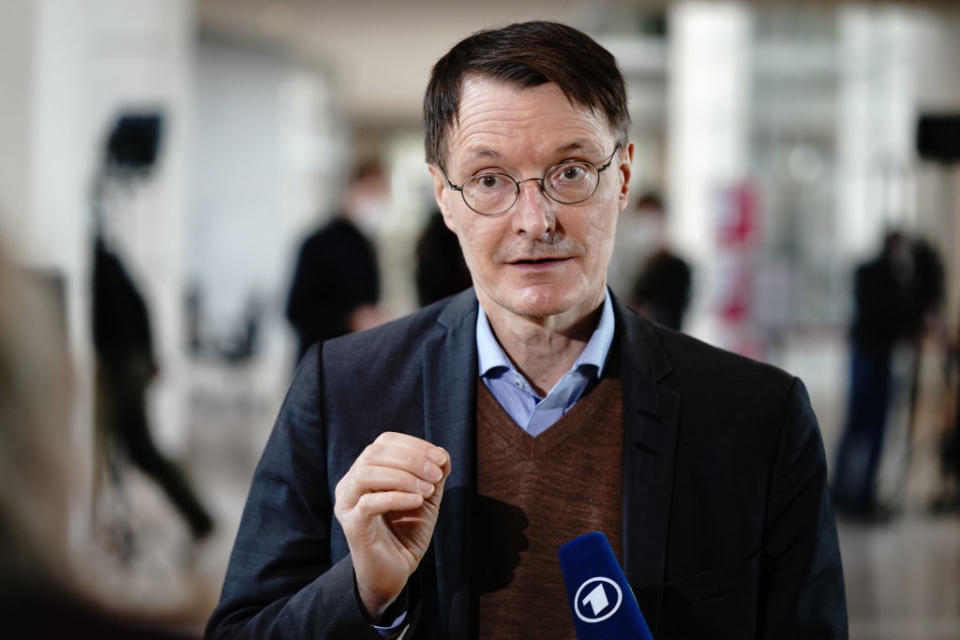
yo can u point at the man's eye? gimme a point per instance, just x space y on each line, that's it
572 173
491 181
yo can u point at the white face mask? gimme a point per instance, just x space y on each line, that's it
372 214
639 234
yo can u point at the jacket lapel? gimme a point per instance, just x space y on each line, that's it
450 374
651 413
650 417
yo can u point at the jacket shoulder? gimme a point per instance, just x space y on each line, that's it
712 361
706 374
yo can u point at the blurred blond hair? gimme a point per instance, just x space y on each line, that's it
35 388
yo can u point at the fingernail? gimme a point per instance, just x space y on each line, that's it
438 455
426 488
432 472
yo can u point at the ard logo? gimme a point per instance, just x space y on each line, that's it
597 599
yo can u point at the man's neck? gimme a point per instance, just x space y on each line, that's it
543 350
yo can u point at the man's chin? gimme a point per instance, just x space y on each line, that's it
542 302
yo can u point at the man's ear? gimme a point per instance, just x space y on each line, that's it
440 193
624 167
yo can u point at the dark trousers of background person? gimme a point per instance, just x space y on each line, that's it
949 498
123 430
861 446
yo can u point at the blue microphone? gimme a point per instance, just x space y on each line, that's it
601 600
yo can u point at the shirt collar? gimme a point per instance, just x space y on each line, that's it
493 361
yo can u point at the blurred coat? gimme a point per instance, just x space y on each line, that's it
336 272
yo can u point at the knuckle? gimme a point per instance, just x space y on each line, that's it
365 504
370 450
347 524
348 483
341 512
339 490
366 475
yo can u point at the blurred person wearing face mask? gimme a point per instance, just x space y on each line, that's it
41 596
661 286
336 281
640 230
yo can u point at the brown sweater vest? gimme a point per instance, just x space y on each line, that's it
535 494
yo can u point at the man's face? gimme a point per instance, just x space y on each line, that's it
541 259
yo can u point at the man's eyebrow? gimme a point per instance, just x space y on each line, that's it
482 153
579 145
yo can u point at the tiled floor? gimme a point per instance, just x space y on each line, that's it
902 577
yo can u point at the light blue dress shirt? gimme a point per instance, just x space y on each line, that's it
536 414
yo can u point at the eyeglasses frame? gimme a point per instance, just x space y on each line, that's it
517 183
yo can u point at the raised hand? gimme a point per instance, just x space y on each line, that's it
387 504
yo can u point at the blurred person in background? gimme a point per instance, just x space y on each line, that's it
440 270
122 338
336 280
40 595
894 293
638 236
536 391
126 366
661 287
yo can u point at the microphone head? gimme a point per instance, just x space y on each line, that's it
601 600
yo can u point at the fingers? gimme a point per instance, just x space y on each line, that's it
379 503
387 504
365 479
393 463
393 441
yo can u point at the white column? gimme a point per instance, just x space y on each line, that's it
708 137
875 127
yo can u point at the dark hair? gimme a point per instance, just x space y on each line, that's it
650 200
366 169
526 54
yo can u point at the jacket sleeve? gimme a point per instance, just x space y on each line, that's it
804 596
281 582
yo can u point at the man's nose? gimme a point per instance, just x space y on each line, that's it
533 211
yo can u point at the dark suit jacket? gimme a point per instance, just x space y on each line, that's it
727 527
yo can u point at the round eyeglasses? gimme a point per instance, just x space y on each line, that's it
492 193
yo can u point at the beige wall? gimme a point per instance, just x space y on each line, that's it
380 52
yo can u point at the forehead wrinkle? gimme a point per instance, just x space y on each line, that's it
495 120
486 152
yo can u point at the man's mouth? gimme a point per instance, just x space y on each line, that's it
539 261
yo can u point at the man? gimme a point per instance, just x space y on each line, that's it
894 292
123 341
126 366
440 269
336 282
421 476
